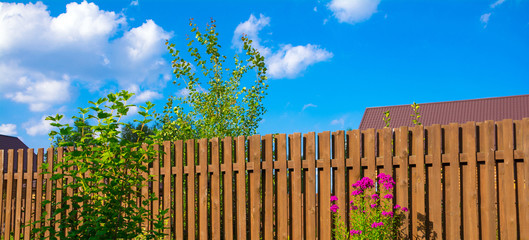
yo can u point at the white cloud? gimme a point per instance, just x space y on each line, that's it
134 3
290 60
90 45
315 9
41 127
485 19
307 106
251 28
339 121
184 92
8 129
353 11
497 3
286 62
142 97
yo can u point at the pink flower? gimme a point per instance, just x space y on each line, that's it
334 208
354 207
386 181
387 214
364 183
373 205
375 224
405 209
357 192
334 198
396 207
388 196
374 196
354 232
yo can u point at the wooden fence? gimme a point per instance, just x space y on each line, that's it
460 181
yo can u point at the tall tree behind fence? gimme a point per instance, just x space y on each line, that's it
459 181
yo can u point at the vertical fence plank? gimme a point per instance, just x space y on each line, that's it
297 211
523 183
18 199
203 188
58 193
418 214
49 187
369 153
435 195
156 183
145 192
453 211
241 187
39 183
69 192
470 182
509 188
387 150
254 185
190 156
325 185
215 189
487 182
338 149
178 189
355 150
29 192
268 187
9 193
167 189
2 215
282 193
310 186
402 152
228 187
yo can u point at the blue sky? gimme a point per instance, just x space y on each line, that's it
327 60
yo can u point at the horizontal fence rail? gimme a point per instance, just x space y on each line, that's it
459 181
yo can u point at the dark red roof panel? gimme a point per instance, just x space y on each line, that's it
478 110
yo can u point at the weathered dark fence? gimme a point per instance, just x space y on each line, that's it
459 181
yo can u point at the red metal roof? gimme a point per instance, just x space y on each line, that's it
478 110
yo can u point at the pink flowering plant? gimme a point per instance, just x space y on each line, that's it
372 214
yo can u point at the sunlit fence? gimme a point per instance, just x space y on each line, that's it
459 181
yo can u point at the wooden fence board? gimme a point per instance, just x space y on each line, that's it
29 187
228 187
215 190
190 211
203 188
310 186
282 193
2 215
59 184
435 194
418 210
9 193
369 153
338 150
49 187
254 185
167 188
324 185
508 183
297 200
487 181
402 198
241 187
453 209
470 183
354 149
155 171
179 189
268 187
524 180
18 199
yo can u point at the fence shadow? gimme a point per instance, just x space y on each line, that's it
425 228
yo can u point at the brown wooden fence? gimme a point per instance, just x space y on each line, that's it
460 181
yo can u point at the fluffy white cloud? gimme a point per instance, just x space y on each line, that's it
41 127
497 3
142 97
339 121
290 60
286 62
353 11
485 18
308 106
90 45
8 129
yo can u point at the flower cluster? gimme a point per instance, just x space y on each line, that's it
372 213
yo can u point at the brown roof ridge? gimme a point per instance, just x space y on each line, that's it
457 101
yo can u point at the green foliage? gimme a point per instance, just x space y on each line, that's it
130 132
415 114
106 175
216 105
386 119
79 129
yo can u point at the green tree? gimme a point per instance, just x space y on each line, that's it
80 128
215 103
